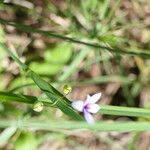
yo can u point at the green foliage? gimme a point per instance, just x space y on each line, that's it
61 102
18 82
95 30
26 141
55 59
111 39
60 54
46 68
55 96
74 64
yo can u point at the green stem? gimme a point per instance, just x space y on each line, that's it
30 29
23 66
68 125
107 109
85 82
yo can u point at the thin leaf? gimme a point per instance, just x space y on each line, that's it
10 97
125 111
55 96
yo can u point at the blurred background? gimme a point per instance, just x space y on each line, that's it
124 80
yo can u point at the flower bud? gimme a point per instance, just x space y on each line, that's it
67 89
38 106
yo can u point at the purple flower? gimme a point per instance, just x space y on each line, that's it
88 106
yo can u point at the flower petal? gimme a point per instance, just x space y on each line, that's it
78 105
93 108
93 99
88 117
88 99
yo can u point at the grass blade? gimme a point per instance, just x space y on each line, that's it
125 111
10 97
73 66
